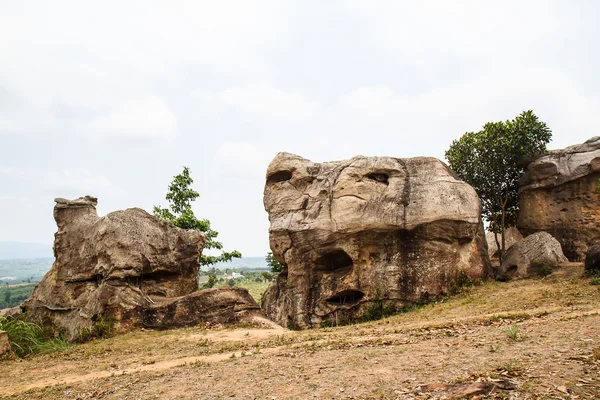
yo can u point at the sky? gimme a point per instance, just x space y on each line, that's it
113 98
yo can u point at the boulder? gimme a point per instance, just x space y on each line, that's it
535 255
559 195
359 236
127 269
592 259
512 236
4 344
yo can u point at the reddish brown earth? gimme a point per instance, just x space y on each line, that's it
457 348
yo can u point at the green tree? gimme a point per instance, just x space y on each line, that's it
492 161
212 278
7 296
267 276
180 197
273 263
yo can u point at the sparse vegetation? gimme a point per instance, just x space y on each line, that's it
102 328
512 332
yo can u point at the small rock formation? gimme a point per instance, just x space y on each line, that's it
4 344
127 269
359 236
558 195
512 236
535 255
592 259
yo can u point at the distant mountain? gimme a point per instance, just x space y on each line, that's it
10 250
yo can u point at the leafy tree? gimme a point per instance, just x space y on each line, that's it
267 276
7 296
492 160
231 282
180 214
212 278
273 263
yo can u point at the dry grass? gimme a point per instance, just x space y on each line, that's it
462 339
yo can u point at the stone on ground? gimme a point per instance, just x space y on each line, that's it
535 255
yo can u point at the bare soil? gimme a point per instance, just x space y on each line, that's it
529 339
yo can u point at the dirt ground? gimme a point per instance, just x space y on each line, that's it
529 339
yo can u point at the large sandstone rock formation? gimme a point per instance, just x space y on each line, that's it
130 269
537 254
559 195
366 233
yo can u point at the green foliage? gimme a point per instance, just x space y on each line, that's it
16 296
212 279
541 269
231 282
180 197
267 276
273 263
27 338
512 332
491 161
595 281
102 328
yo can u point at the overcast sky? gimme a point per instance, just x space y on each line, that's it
112 98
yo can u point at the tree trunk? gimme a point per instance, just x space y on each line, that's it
503 236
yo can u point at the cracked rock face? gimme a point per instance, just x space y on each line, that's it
130 268
558 195
367 233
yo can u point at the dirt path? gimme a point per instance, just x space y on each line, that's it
445 350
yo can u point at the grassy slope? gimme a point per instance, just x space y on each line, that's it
467 338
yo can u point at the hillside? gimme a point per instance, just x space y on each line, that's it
530 339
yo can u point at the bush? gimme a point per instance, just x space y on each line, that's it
27 338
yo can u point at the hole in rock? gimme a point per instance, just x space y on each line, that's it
347 297
379 177
336 260
279 176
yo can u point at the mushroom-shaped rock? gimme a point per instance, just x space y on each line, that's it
129 269
366 233
535 255
559 195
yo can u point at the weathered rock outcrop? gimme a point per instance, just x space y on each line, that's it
130 269
537 254
4 344
512 236
592 259
367 233
559 195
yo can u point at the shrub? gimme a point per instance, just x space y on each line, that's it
26 337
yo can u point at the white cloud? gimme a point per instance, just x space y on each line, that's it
76 182
240 160
258 102
147 118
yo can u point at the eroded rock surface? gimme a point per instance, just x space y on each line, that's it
364 234
537 254
4 344
592 259
559 195
129 269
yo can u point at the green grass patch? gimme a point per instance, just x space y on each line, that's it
27 338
